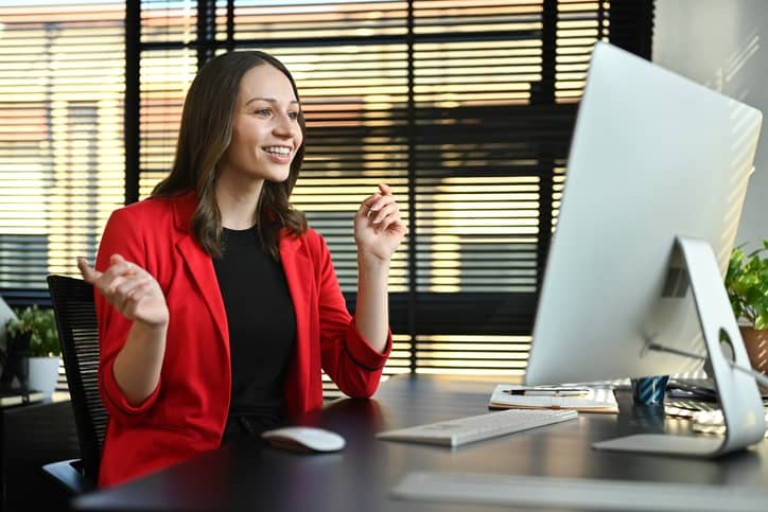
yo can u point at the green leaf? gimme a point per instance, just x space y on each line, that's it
41 323
746 282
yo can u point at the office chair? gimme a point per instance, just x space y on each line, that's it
75 312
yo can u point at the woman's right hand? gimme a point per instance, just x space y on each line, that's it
133 291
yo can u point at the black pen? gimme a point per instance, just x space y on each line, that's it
549 391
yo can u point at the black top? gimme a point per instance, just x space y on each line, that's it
262 331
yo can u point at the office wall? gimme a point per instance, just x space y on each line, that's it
723 44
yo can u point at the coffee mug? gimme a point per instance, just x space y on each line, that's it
649 390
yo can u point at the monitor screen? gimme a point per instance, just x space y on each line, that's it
657 173
654 156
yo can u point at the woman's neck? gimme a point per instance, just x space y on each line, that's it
237 203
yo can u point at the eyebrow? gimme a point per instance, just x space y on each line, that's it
268 100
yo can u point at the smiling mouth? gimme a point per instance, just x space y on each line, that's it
278 150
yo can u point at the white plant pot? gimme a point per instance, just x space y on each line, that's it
43 374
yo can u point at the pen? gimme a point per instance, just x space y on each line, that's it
553 391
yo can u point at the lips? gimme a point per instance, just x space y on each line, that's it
281 151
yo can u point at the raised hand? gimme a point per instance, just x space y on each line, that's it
133 291
378 228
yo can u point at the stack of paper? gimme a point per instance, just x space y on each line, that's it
585 399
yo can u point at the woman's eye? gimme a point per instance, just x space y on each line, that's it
265 112
293 115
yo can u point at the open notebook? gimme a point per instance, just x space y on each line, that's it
596 399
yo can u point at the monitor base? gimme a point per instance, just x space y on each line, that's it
664 444
737 391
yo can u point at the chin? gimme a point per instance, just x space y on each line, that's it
278 177
270 172
281 177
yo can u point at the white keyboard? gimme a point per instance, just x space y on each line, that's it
477 428
583 494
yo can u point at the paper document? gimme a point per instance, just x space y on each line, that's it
590 399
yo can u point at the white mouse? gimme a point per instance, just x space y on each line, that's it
304 439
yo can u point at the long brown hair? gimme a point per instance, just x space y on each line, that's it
205 135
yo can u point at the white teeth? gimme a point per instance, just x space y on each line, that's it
278 150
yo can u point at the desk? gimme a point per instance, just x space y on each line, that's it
249 476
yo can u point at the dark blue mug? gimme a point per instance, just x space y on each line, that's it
649 390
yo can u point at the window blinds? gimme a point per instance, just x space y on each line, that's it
61 137
465 108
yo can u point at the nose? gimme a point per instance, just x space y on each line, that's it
285 126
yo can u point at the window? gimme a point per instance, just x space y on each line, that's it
465 108
61 137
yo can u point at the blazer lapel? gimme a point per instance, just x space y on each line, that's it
199 264
298 274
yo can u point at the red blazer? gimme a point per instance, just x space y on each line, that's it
186 413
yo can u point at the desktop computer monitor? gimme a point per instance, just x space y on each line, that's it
655 182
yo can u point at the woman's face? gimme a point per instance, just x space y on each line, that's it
265 128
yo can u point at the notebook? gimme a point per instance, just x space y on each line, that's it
595 399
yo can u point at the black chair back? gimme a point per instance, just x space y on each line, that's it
73 304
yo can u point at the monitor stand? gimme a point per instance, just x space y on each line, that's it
737 390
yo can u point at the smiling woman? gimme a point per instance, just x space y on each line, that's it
216 291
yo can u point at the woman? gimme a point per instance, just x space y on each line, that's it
218 307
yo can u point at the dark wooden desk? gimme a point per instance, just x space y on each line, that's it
249 476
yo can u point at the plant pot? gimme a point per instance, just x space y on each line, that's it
43 374
756 343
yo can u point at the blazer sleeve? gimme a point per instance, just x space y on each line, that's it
121 235
347 358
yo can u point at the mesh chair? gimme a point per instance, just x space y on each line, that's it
75 311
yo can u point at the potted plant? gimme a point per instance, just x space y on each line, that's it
747 284
33 334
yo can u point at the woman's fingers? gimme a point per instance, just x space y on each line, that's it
89 273
131 292
130 285
366 207
384 212
376 201
117 282
381 207
381 210
130 289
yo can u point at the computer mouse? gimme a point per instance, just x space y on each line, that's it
304 439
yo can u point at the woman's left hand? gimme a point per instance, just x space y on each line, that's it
378 228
